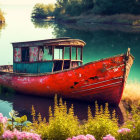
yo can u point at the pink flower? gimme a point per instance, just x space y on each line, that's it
109 137
82 137
8 134
3 119
90 137
20 135
1 115
124 131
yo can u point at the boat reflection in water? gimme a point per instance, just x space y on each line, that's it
23 104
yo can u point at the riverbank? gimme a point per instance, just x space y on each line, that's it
120 19
120 22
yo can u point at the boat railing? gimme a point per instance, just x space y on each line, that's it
6 68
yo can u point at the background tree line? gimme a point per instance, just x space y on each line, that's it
78 7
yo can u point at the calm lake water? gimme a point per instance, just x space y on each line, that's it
101 41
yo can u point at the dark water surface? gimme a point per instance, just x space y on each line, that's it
101 42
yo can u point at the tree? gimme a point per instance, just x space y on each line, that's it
41 11
2 19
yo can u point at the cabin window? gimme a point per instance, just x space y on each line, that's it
73 53
47 53
17 54
33 54
58 53
25 54
67 53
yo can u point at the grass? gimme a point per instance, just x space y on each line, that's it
132 93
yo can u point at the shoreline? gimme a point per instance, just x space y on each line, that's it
119 19
122 22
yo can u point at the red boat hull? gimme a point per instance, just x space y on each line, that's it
101 80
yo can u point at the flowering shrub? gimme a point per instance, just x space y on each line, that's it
15 134
109 137
62 123
3 121
82 137
20 135
101 124
124 131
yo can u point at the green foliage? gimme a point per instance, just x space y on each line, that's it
19 123
42 11
1 129
62 123
102 124
134 124
77 7
103 7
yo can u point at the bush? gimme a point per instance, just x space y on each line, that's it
134 124
62 123
102 124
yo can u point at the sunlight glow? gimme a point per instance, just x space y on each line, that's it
25 2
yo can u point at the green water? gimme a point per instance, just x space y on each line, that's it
100 43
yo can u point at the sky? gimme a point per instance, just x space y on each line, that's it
25 2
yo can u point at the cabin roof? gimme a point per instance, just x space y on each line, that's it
65 41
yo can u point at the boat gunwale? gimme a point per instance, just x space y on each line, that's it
57 72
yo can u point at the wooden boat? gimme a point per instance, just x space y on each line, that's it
54 66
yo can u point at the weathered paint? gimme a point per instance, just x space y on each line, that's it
17 54
33 54
35 67
101 80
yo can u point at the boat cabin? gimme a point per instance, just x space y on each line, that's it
44 56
